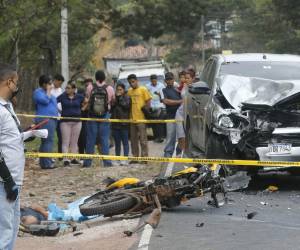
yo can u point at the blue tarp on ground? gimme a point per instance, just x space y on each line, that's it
72 213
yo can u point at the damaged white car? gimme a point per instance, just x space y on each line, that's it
246 106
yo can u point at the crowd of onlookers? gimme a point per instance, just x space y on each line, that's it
155 101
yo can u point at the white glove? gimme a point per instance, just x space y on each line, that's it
41 133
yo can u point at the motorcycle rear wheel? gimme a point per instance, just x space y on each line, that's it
108 206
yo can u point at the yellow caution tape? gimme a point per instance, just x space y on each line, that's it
100 119
162 159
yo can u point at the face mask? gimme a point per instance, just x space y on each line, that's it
15 93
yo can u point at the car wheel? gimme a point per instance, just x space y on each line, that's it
215 149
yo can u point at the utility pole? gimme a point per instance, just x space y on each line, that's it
202 39
64 43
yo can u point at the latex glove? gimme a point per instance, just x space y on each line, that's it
41 133
10 186
27 135
11 189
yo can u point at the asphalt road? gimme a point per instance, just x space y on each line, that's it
275 225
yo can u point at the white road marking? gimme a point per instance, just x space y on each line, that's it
147 232
145 238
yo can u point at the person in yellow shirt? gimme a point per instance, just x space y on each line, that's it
140 97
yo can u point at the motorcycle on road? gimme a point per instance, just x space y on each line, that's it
131 197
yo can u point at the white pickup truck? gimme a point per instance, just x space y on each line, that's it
143 71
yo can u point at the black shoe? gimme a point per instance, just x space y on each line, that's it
66 164
158 140
144 162
75 162
133 162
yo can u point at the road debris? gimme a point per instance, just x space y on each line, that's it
152 220
70 194
200 224
32 194
77 234
238 181
272 188
251 215
128 233
264 203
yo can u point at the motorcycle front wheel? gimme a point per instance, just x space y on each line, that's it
109 205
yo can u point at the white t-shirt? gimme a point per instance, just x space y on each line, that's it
155 101
56 92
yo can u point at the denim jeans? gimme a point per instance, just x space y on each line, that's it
171 141
47 143
95 129
59 139
82 139
158 128
121 135
9 220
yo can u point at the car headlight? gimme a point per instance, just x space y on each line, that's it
225 121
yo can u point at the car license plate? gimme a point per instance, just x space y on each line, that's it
280 148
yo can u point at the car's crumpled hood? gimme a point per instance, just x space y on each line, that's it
239 89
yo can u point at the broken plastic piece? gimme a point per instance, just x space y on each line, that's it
251 215
272 188
264 203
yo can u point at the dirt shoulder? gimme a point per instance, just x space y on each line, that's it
108 236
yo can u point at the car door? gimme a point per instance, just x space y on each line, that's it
208 78
192 105
194 111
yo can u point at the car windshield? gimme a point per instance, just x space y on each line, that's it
142 81
267 70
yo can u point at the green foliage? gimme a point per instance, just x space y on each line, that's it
259 25
35 27
267 26
180 20
30 37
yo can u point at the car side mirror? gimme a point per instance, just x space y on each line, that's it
199 88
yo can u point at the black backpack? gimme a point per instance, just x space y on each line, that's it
98 100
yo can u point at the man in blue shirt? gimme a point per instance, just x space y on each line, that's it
46 105
155 88
172 99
